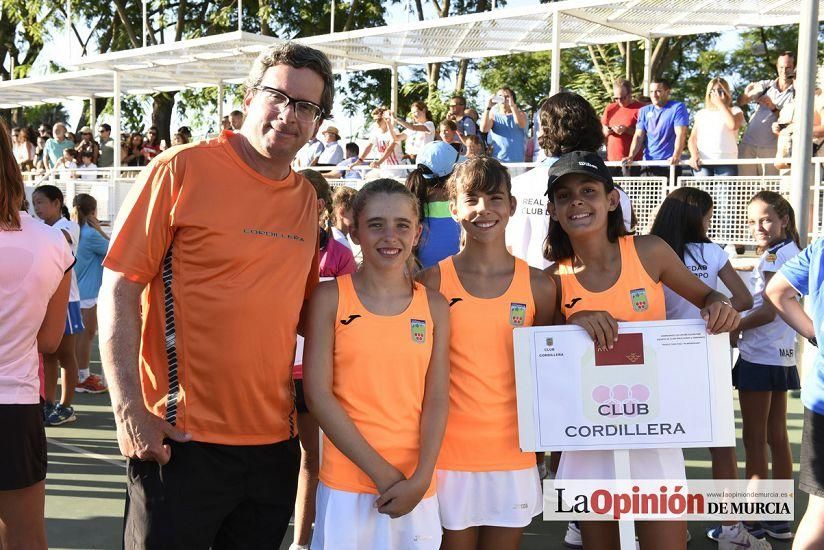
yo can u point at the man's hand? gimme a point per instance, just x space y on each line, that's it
675 160
620 129
695 162
765 101
140 435
626 161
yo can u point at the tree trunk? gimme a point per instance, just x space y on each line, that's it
162 114
124 19
350 19
460 80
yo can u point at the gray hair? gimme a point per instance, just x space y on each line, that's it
622 83
298 56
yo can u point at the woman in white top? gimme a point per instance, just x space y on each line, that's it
24 150
384 139
421 129
34 290
715 131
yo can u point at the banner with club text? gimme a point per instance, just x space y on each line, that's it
664 384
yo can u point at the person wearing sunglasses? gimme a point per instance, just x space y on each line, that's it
87 143
218 244
618 123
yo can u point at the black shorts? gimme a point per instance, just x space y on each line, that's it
300 400
757 377
811 478
212 496
23 459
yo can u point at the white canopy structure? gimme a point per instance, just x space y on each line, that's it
220 59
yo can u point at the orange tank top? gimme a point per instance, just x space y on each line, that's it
379 376
482 427
633 297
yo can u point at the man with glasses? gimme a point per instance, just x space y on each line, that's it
457 108
106 158
618 122
217 244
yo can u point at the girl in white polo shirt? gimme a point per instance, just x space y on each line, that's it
49 207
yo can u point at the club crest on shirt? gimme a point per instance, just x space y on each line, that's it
418 328
771 257
517 314
639 299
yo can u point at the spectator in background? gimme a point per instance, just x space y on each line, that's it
35 272
179 139
332 153
441 234
661 130
309 153
186 132
342 169
135 155
421 129
106 147
87 143
225 123
44 131
236 120
449 134
771 96
506 124
466 124
474 147
715 131
24 151
40 154
55 146
152 146
383 139
91 249
618 122
87 169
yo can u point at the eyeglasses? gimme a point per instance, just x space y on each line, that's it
305 111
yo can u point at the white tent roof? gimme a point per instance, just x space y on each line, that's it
226 58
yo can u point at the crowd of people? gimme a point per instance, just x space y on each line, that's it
80 155
406 295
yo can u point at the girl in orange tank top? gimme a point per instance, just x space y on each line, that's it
488 489
376 376
607 276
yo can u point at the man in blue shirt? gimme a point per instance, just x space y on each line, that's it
661 130
804 275
506 125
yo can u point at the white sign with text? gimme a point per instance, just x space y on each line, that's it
664 384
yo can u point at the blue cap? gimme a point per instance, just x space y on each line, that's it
438 157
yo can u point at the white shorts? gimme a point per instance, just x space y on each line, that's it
644 464
88 303
349 521
508 498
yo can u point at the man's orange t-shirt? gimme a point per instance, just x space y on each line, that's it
228 257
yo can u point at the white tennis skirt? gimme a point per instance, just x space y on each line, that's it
508 498
350 521
644 464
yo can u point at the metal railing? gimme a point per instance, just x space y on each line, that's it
731 194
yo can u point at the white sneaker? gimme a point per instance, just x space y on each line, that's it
573 536
741 539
